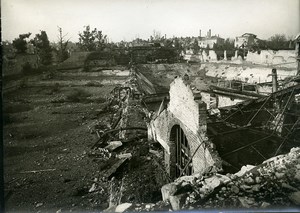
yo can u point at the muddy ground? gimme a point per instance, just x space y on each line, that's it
53 138
49 163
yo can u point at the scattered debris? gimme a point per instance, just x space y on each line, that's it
100 153
124 155
123 207
39 205
93 188
295 197
36 171
112 145
115 167
246 189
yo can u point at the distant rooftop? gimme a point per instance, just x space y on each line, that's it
249 34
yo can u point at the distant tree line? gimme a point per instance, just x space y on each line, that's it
170 49
40 43
275 42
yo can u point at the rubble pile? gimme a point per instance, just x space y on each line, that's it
129 164
273 184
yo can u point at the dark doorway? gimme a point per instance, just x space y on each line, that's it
182 152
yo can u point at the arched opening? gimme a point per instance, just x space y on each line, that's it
182 164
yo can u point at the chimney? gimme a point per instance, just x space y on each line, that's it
209 33
274 80
199 33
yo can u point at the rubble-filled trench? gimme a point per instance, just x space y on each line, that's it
132 164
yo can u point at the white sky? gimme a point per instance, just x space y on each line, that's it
128 19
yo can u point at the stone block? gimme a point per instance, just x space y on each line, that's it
168 190
295 197
189 179
177 201
112 145
123 207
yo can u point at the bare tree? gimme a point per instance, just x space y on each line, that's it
62 51
156 36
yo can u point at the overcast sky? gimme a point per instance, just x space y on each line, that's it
128 19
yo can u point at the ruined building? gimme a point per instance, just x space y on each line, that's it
180 127
245 132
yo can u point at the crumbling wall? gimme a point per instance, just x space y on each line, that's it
224 101
245 73
264 88
190 115
273 57
211 56
182 104
214 101
206 97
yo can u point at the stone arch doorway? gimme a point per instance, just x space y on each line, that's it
180 153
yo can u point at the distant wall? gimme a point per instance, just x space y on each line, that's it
218 101
271 57
224 101
264 89
245 73
281 58
201 57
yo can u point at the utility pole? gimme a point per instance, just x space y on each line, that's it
298 53
274 80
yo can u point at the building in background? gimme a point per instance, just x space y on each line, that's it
245 40
209 40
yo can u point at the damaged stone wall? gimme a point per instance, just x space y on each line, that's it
190 115
246 73
224 101
214 101
201 57
274 57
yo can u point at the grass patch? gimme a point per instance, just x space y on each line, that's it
78 95
55 88
98 100
93 84
7 119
